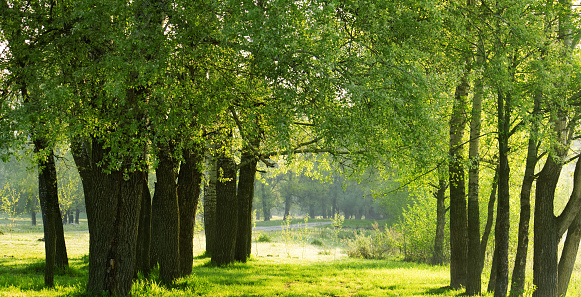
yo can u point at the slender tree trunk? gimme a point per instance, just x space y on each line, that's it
113 202
519 270
189 182
474 281
246 180
492 279
503 206
288 199
165 217
33 217
489 223
440 222
144 231
210 203
226 212
77 214
265 204
458 216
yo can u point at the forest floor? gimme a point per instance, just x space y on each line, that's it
299 262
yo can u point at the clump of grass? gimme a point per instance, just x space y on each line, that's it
263 238
317 242
378 245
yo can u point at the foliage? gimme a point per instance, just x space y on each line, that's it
418 228
9 203
381 244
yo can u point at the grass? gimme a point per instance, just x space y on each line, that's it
276 268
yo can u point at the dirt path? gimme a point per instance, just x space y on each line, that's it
292 226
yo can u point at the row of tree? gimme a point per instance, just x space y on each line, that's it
229 84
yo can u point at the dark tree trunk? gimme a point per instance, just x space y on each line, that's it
440 195
112 206
569 256
189 182
265 204
210 204
144 231
545 232
226 212
165 217
48 191
489 223
71 218
458 216
246 180
519 270
33 217
77 214
492 279
474 279
503 206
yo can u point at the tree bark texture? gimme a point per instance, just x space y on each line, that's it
210 203
474 281
144 231
226 212
165 217
458 216
503 206
189 182
55 247
246 180
113 205
440 195
569 256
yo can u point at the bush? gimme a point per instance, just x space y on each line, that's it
263 238
317 242
378 245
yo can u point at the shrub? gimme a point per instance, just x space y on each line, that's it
378 245
317 242
263 238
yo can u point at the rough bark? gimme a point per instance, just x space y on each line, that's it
489 221
226 212
246 180
569 256
210 203
440 195
165 217
458 216
546 237
501 234
112 205
474 281
189 182
144 231
519 270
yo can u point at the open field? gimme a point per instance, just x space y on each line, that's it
285 266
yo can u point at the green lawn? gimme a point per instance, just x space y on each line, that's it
282 267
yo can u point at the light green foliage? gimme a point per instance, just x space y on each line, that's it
377 244
418 228
10 199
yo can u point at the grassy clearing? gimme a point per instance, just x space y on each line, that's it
300 263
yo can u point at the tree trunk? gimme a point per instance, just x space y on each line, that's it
569 256
210 203
438 258
144 231
474 281
492 279
246 180
113 205
458 216
165 217
519 270
489 222
77 214
189 182
265 204
503 206
226 212
33 217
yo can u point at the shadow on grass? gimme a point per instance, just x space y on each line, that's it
442 291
